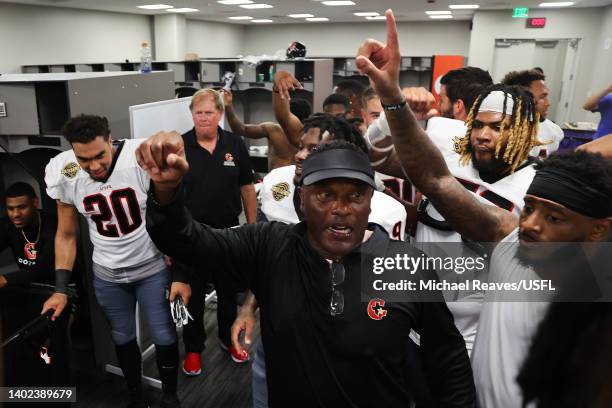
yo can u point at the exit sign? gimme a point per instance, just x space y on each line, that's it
536 22
520 12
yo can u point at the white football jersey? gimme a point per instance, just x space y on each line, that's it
507 193
115 209
400 187
277 192
506 330
442 132
548 131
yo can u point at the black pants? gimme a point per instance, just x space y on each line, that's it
194 334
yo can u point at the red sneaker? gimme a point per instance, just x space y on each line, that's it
237 357
192 365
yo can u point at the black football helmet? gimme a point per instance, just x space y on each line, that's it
296 50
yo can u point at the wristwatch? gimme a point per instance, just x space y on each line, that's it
395 106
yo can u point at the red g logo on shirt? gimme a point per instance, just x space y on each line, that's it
375 309
30 251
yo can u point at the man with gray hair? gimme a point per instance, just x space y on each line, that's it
217 187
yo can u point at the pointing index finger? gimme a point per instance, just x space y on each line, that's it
392 40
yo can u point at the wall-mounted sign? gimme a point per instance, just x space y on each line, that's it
520 12
536 22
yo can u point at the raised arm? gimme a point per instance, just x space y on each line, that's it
65 255
591 103
250 131
171 226
420 158
284 83
601 145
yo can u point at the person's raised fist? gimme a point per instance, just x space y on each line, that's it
163 157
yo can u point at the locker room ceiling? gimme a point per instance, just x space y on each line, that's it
405 10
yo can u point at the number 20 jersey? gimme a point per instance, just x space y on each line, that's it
115 209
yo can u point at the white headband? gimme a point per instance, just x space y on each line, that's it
494 102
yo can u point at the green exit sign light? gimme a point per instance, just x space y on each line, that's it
520 12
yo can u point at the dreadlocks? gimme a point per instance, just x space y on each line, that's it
516 140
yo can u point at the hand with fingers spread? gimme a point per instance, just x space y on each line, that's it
421 101
284 83
381 63
163 157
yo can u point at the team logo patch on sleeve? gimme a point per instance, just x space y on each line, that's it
70 170
280 191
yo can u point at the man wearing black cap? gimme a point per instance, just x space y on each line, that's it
568 201
324 347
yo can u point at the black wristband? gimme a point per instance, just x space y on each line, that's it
62 279
395 106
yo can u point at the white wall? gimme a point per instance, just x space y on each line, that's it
329 40
214 40
581 23
49 35
602 63
170 30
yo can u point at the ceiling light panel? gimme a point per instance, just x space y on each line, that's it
376 18
463 6
558 4
338 3
300 15
234 2
240 18
317 19
256 6
155 6
437 13
182 10
441 17
366 14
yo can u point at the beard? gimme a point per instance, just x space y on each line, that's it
447 114
491 169
557 255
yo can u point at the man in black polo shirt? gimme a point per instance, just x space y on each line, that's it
30 234
218 184
329 341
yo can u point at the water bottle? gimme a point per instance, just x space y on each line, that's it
145 58
271 72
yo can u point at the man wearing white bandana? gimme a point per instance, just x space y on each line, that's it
477 160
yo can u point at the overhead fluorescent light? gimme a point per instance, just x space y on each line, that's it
463 6
376 18
240 18
437 13
338 3
317 19
441 17
182 10
234 2
155 6
558 4
256 6
262 20
367 14
300 15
